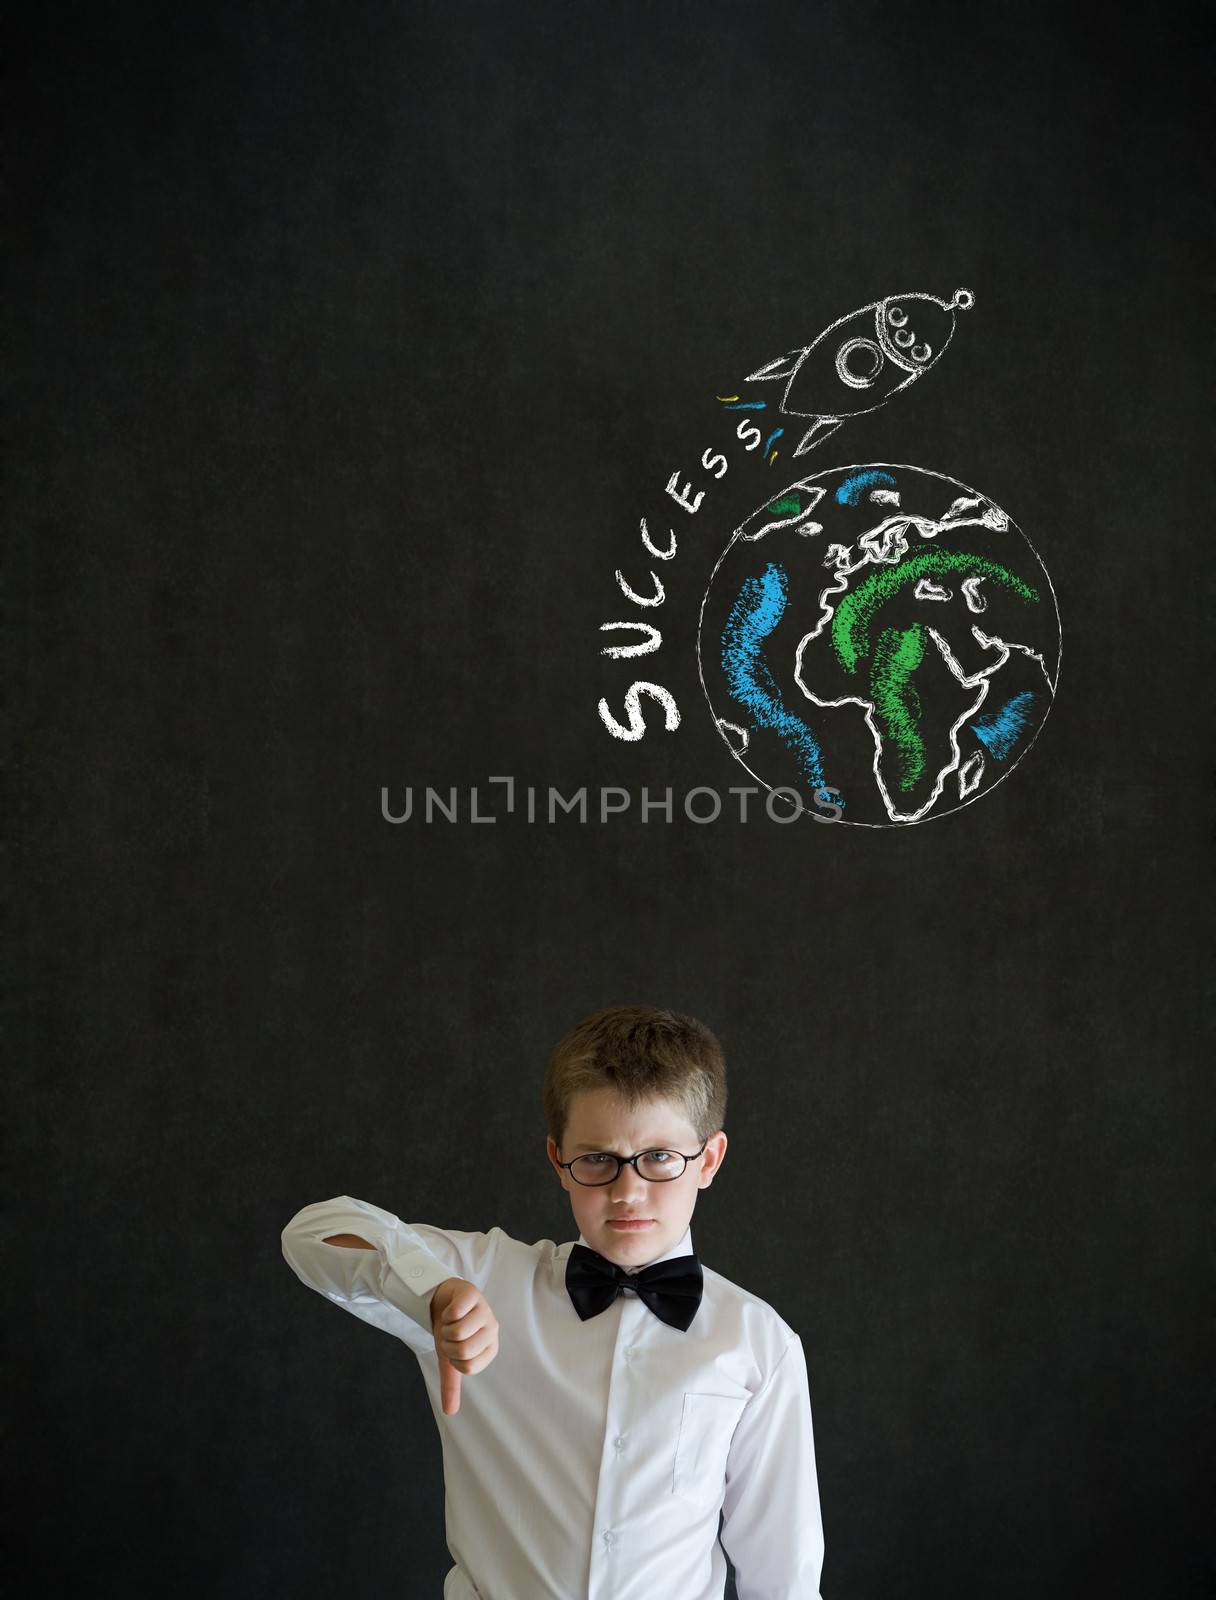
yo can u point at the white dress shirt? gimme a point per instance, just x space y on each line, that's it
592 1459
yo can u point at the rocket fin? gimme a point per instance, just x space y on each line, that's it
781 368
817 432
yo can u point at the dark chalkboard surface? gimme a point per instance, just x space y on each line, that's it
353 346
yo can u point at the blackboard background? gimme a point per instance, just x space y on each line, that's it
350 345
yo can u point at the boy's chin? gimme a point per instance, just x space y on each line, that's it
631 1243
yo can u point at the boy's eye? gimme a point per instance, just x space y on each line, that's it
598 1157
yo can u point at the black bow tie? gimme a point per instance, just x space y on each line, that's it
671 1288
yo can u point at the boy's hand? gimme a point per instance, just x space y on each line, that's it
466 1336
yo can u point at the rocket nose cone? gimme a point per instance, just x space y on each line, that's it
915 328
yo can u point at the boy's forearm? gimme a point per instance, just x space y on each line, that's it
352 1241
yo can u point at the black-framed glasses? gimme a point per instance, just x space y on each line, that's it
603 1166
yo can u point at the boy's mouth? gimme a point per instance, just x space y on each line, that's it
628 1224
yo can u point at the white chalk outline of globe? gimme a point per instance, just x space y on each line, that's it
896 467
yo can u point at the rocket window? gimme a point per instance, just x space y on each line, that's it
858 362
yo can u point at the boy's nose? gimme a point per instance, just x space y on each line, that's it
628 1182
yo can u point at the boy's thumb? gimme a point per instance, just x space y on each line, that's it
449 1386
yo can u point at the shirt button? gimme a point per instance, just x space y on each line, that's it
609 1537
619 1441
415 1272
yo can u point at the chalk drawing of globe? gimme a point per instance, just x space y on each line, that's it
879 638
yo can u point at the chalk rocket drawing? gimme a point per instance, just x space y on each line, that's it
880 634
858 363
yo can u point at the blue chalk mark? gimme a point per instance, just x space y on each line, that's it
850 490
748 405
1001 732
770 439
758 608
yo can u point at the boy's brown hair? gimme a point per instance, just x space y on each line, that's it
641 1053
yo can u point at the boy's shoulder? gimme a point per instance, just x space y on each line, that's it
746 1304
745 1321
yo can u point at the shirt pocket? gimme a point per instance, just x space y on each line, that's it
707 1426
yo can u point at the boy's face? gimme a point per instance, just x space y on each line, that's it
599 1121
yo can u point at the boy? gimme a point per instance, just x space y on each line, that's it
636 1394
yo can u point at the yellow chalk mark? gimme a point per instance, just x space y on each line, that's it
726 397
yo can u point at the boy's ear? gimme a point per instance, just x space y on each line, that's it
715 1147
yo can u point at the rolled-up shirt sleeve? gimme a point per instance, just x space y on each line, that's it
389 1286
772 1530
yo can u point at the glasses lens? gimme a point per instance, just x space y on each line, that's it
659 1166
593 1169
